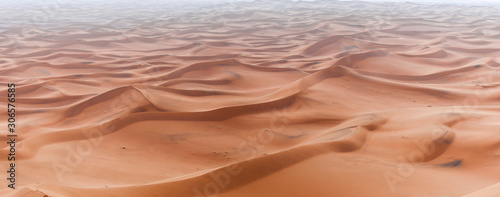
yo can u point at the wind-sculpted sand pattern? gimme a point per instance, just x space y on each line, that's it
253 99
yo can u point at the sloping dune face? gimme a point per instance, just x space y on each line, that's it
263 98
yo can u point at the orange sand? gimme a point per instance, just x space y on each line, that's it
254 99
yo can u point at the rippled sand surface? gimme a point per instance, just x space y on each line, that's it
263 98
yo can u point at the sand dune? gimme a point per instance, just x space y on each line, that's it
262 98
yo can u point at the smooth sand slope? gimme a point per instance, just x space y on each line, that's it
267 98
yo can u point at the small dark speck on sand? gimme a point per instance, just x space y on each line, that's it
452 163
477 66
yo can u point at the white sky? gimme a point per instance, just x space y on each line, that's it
11 2
443 1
